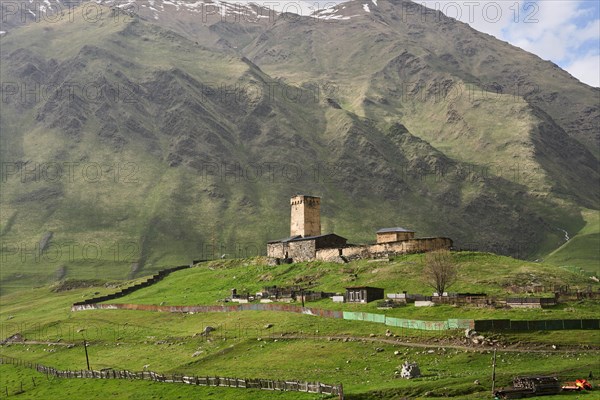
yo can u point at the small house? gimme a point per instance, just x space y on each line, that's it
388 235
363 294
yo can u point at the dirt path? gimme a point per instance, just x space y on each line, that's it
473 348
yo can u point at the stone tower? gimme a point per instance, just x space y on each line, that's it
306 216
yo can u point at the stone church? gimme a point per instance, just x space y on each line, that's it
306 242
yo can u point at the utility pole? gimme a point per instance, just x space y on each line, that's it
494 372
87 359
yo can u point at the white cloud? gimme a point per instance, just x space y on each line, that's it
586 69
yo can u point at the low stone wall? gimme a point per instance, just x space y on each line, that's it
130 289
208 309
378 250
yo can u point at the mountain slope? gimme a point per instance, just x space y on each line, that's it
160 138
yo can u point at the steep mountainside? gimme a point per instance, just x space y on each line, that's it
153 133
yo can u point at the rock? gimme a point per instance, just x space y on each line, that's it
396 352
379 349
410 370
476 382
268 326
430 351
470 332
197 353
207 330
372 335
388 333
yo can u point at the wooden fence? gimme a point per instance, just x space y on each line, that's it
245 383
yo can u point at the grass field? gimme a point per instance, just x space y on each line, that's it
581 252
284 345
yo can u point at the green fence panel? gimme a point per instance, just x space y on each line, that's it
554 324
461 324
391 321
572 323
379 318
484 325
352 315
590 324
361 316
519 325
539 325
535 325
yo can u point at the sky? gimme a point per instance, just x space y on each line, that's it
566 32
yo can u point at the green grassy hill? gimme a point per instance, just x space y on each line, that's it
581 251
268 344
208 283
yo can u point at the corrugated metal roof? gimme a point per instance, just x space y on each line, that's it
363 287
396 229
285 240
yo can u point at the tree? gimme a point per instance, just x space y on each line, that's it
440 272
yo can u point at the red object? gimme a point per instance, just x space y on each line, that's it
582 383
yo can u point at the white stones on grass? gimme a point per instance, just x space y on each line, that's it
410 370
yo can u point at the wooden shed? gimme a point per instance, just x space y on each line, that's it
363 294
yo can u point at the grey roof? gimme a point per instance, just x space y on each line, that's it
298 238
396 229
285 240
363 287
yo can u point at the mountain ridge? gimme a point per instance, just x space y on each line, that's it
221 136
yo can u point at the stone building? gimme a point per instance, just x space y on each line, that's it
300 248
388 235
307 243
305 219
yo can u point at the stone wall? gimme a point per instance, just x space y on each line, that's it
384 249
302 250
387 237
410 246
276 250
331 255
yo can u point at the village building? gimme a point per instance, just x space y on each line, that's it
363 294
388 235
306 242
